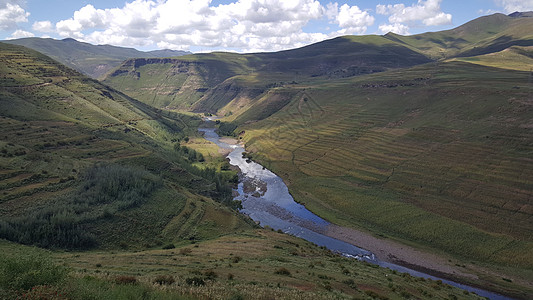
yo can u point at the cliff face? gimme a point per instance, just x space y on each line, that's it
163 82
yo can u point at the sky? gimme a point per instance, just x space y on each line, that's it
235 25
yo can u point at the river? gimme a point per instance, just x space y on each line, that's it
266 199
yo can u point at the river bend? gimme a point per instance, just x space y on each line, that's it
266 199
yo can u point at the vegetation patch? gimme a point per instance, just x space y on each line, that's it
105 190
21 272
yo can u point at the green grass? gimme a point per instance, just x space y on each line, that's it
514 58
280 267
249 263
30 273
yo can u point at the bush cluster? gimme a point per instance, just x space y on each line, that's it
228 129
106 189
21 272
190 154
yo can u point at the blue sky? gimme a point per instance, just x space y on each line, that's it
235 25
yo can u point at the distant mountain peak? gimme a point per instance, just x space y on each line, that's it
69 40
525 14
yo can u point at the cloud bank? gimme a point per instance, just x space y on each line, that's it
12 13
240 25
423 13
248 25
511 6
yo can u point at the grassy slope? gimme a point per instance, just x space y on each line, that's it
57 123
424 158
92 60
175 83
513 58
483 35
245 265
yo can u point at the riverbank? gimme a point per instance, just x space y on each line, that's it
396 253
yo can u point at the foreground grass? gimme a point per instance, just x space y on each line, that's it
249 265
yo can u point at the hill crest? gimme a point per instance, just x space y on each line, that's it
92 60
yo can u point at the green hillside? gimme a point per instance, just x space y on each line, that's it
91 60
423 140
262 264
208 82
513 58
483 35
176 82
78 157
434 155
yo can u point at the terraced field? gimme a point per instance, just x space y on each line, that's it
446 164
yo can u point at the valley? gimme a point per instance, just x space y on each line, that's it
416 148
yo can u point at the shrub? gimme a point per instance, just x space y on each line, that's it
169 246
210 275
196 281
236 297
44 292
405 294
126 280
164 280
350 283
283 271
225 128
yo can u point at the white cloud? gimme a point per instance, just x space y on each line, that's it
18 34
484 12
511 6
43 26
247 25
353 20
423 13
396 28
11 13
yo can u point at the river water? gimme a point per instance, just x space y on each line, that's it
266 199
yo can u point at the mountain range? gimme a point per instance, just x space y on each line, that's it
94 61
